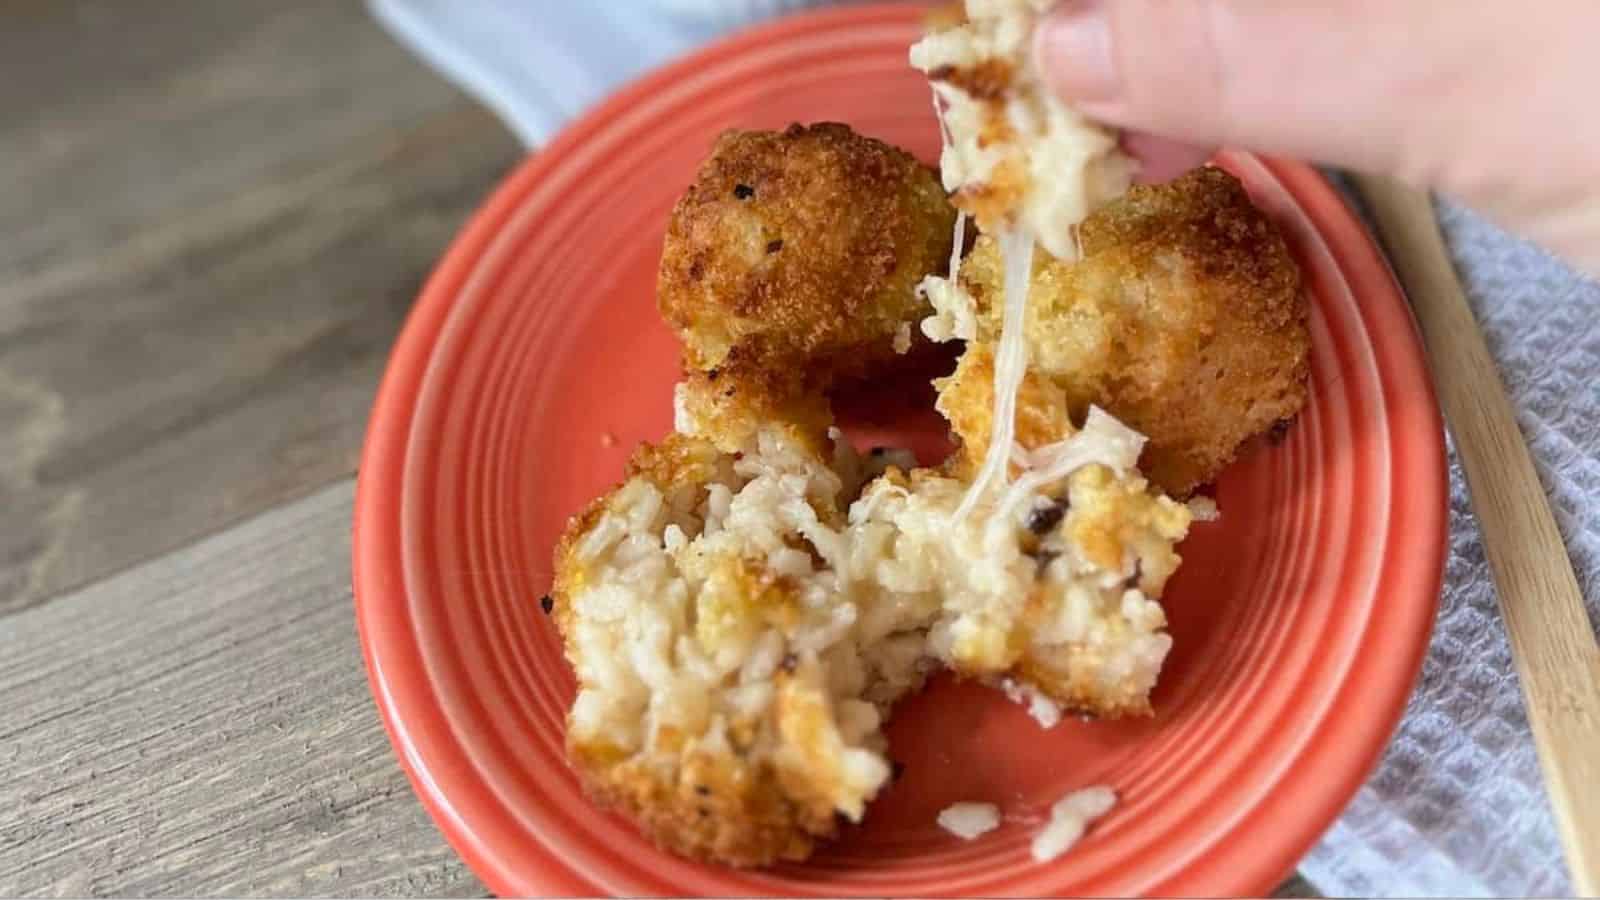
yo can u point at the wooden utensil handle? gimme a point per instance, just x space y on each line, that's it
1552 642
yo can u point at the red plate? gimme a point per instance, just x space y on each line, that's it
1300 619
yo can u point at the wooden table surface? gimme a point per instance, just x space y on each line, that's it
213 219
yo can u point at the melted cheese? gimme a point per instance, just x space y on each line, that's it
1011 364
1053 166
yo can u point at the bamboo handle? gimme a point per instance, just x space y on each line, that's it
1554 647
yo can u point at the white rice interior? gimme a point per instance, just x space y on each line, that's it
762 614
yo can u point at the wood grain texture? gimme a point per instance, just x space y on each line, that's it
215 218
201 725
1552 640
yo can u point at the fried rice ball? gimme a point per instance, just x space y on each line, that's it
1056 598
741 621
729 700
1184 318
803 247
728 404
695 715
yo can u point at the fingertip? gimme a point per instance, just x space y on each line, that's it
1072 47
1161 159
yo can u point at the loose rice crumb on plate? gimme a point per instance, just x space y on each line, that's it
969 820
1069 819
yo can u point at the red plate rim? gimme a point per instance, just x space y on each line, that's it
1281 827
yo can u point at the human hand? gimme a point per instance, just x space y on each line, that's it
1493 102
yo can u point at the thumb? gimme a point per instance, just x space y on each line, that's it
1279 76
1481 98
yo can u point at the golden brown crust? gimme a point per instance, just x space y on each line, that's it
944 16
802 247
1109 520
729 402
987 80
677 462
1184 319
712 807
966 399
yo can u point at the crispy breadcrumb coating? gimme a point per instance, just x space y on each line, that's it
727 404
944 16
803 246
1184 319
966 400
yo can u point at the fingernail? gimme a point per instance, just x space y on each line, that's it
1073 48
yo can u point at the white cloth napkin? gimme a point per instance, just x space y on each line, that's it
538 63
1457 806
